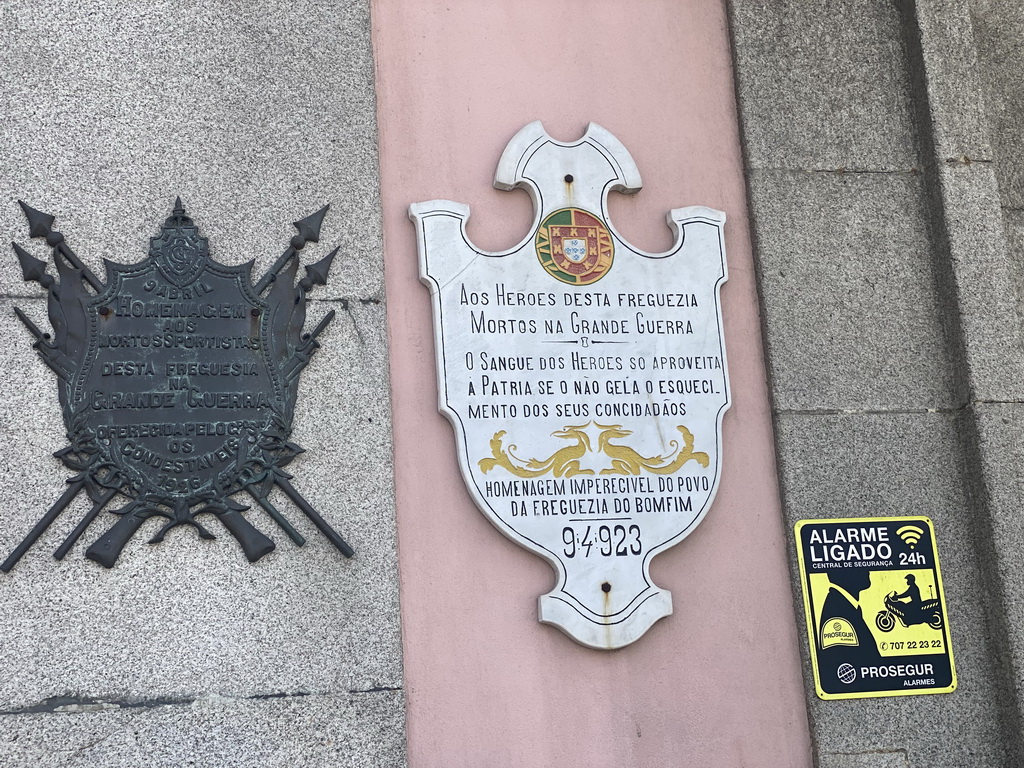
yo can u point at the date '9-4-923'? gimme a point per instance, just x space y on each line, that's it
608 541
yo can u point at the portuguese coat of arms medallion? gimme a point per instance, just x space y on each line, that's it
585 379
177 379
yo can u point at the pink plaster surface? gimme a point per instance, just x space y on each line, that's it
718 683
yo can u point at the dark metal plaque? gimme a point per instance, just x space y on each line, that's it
177 381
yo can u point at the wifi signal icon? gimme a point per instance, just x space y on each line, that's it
910 534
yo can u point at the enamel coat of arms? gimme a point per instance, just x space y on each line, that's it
586 379
177 379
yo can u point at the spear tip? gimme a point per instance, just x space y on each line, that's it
31 267
316 274
309 227
39 223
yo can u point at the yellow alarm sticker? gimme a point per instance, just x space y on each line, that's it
875 609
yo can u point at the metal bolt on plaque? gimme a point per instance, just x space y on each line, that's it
177 378
586 379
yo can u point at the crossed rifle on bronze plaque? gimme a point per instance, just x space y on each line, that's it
179 321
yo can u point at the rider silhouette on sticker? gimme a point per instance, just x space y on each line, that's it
913 592
843 635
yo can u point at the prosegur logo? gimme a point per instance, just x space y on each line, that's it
838 632
846 673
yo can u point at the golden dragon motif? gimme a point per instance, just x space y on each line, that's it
565 462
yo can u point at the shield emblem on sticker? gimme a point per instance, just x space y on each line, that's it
586 380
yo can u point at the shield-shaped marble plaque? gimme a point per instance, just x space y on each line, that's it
586 379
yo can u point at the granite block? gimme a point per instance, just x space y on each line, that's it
851 315
869 386
357 730
1013 222
1000 434
190 616
998 27
865 465
256 115
957 121
864 760
986 302
822 85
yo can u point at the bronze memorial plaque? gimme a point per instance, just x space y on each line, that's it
177 378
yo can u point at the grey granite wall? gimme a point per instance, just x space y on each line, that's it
891 320
184 653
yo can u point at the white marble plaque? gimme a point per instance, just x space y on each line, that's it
586 379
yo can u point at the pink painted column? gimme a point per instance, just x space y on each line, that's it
718 683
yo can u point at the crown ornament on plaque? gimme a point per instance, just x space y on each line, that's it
177 380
